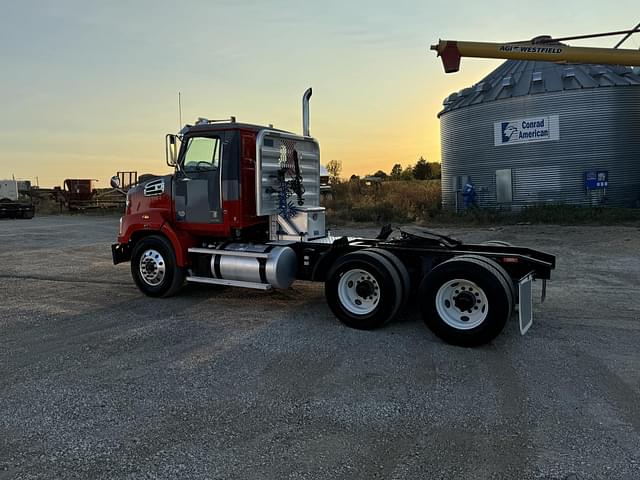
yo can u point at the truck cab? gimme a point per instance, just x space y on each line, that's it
232 182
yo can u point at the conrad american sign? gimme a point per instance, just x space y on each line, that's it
526 130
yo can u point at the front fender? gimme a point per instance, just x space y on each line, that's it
131 225
180 243
137 226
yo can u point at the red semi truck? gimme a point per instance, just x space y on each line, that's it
243 209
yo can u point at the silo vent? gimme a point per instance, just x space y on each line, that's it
507 81
536 77
598 71
465 92
569 72
451 98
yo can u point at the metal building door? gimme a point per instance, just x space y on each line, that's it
504 186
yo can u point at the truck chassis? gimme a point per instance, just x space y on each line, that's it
243 210
466 292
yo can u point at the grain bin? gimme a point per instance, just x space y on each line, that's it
534 133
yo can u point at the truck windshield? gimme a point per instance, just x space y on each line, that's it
202 153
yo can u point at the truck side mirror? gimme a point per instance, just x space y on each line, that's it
115 182
171 150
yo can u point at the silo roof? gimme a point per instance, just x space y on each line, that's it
517 78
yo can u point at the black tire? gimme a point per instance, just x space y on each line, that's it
488 282
27 215
405 280
503 273
389 288
513 283
497 243
173 277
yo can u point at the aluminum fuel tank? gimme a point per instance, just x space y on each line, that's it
257 263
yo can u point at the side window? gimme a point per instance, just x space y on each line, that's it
202 153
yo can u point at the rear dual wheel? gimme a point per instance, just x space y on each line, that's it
366 289
466 300
401 270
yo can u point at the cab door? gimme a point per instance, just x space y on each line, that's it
198 197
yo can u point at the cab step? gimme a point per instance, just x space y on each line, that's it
229 283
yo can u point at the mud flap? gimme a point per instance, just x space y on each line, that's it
121 253
525 307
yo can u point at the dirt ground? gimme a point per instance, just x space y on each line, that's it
98 381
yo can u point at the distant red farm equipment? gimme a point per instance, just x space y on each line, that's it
83 194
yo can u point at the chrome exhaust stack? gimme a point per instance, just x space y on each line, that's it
305 112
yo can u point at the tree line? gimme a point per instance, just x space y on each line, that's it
421 170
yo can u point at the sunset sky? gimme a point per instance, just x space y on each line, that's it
89 88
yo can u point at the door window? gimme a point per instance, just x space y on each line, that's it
202 153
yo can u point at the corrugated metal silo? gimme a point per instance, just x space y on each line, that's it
540 133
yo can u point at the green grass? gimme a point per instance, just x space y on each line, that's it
419 201
392 201
570 215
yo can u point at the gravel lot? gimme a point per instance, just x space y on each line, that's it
98 381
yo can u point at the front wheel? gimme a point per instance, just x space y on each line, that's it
465 301
154 267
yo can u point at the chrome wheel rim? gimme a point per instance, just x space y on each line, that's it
152 267
358 292
461 304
